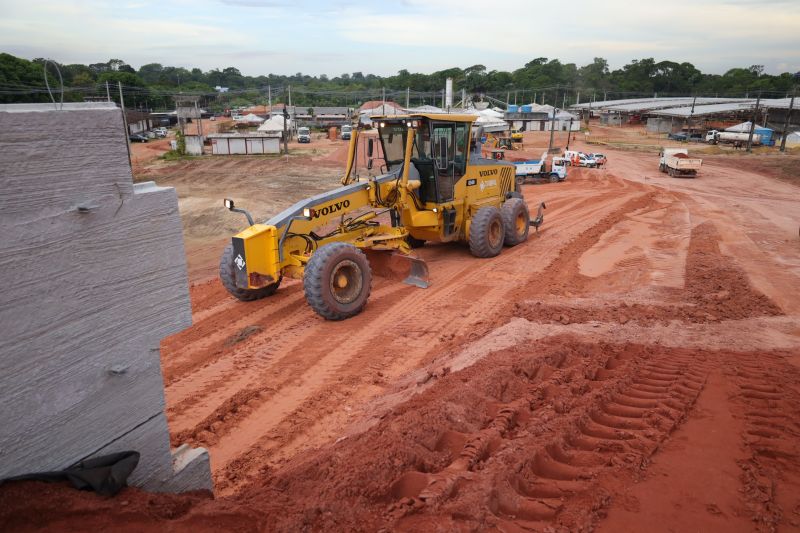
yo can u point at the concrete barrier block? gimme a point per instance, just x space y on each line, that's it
94 276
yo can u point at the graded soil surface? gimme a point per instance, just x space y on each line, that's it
634 366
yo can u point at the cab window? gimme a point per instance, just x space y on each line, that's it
393 139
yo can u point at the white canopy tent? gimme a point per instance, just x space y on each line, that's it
490 120
275 123
250 118
744 127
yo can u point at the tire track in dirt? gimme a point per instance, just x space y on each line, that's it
625 417
715 289
524 440
246 373
769 400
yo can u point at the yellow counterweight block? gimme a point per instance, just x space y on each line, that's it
255 257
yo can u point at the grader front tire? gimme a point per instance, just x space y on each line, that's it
337 281
228 278
486 233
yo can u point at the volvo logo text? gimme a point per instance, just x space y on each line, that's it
330 209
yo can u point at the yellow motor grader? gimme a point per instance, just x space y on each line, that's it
435 187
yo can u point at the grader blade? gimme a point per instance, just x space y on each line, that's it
418 273
408 269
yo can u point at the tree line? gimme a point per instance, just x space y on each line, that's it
546 80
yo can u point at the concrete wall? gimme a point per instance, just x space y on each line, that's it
194 144
613 119
140 126
660 125
94 276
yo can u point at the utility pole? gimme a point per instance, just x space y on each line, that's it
108 93
569 134
753 124
564 101
383 100
515 97
125 122
269 96
552 130
199 125
578 101
786 123
285 131
293 115
408 96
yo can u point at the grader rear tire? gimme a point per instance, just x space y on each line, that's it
516 221
337 281
228 278
486 232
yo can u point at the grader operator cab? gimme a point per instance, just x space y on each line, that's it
435 187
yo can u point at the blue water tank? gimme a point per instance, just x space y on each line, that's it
766 136
766 133
525 109
513 108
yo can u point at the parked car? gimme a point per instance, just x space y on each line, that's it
686 137
137 138
600 158
160 132
303 135
579 159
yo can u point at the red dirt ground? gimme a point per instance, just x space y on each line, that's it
633 367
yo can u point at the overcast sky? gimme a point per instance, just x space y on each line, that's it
317 37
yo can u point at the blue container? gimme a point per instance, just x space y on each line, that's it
512 108
766 133
766 136
526 109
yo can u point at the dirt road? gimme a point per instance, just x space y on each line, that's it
633 366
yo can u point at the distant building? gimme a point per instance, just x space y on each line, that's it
244 143
536 117
317 116
139 122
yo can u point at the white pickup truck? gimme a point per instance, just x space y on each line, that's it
579 159
677 163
